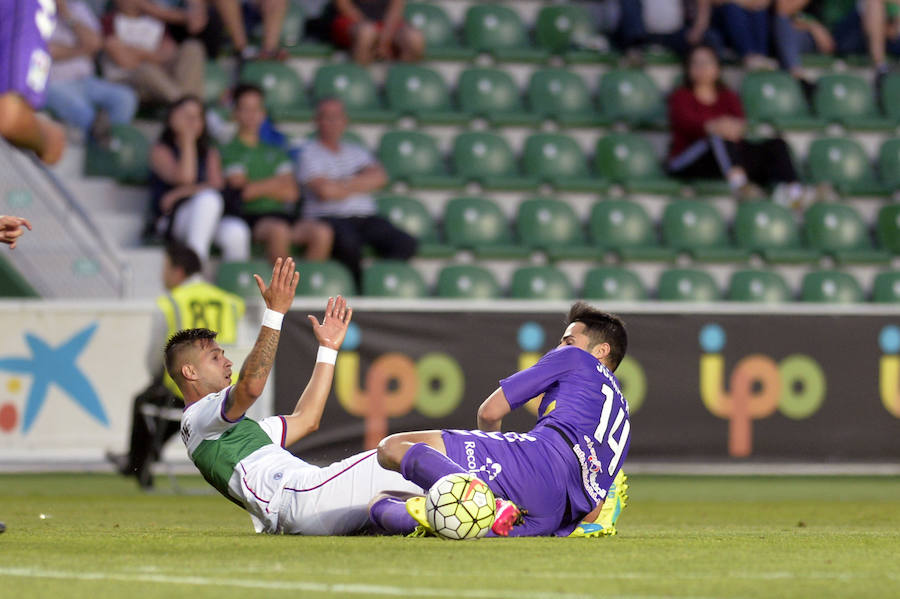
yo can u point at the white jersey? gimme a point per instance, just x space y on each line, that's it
245 461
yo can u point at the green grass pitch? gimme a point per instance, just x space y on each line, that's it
686 537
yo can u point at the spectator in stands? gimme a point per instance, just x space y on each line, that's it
668 23
140 52
11 229
744 24
74 93
186 181
873 27
270 12
708 129
263 176
375 30
27 25
338 179
189 302
796 33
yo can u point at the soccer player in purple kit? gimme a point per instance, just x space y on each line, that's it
559 472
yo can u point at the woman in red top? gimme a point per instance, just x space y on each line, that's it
708 128
375 29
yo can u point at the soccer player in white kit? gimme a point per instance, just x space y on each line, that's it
245 460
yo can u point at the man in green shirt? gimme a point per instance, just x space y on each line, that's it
263 176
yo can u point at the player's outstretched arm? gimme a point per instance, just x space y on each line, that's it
492 411
330 335
278 297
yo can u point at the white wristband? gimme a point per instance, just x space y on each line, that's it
272 319
327 355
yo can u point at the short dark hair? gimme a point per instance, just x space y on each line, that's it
601 327
183 257
179 342
242 89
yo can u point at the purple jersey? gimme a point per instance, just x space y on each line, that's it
25 27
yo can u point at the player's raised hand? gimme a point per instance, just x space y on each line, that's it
334 325
11 229
280 293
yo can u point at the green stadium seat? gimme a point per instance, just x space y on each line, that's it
561 95
411 216
285 96
631 96
614 284
560 26
413 156
324 279
420 92
697 227
848 99
12 283
776 98
770 230
760 286
890 96
630 160
838 230
237 277
486 158
440 35
498 30
479 224
393 278
353 85
553 226
829 286
540 283
888 228
625 227
886 289
843 163
467 282
889 164
126 159
687 285
215 82
492 94
557 159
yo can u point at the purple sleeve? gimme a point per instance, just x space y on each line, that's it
531 382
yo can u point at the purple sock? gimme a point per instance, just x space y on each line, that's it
390 516
424 465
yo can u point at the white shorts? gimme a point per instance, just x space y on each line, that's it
334 500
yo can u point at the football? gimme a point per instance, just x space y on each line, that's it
460 506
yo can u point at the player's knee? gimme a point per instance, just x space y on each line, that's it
390 452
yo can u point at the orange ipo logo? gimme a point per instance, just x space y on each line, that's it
889 369
757 387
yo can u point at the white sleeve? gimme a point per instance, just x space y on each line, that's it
309 164
276 428
206 419
362 158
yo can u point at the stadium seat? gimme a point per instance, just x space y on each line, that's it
126 159
487 159
353 85
614 284
629 159
393 278
467 282
557 159
687 285
886 289
769 229
420 92
499 30
440 37
829 286
848 99
776 98
889 164
411 216
540 283
413 156
285 96
838 230
625 227
697 227
631 96
237 277
215 82
890 96
561 95
492 94
324 279
560 26
478 224
761 286
888 228
553 226
843 163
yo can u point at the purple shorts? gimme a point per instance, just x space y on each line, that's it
524 468
25 27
